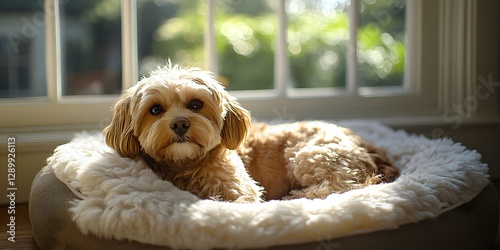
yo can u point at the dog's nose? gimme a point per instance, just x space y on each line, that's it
180 125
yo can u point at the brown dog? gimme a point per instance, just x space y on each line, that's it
191 132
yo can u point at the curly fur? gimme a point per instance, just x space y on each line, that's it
221 156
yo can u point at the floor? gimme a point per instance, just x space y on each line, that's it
23 229
25 241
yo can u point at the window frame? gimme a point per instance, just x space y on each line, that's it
429 89
415 97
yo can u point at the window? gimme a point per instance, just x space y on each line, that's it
245 34
90 34
66 61
22 43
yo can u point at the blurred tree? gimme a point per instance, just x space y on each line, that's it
245 39
245 47
177 33
381 46
317 48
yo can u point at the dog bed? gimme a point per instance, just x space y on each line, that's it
90 197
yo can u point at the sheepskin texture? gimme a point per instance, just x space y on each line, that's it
123 199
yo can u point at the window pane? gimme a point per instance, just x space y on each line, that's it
245 36
381 42
170 29
22 49
91 46
318 33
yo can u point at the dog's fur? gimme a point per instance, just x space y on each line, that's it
191 132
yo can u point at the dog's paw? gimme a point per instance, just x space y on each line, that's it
295 194
249 199
216 198
318 191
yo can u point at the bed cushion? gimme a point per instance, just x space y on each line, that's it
90 197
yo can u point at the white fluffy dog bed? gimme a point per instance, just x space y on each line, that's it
123 199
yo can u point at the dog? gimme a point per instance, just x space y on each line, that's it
187 128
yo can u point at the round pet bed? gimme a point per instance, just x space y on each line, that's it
88 197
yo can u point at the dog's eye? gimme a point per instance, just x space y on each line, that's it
195 104
156 109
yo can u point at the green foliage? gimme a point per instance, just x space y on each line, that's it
381 49
381 57
245 47
317 49
180 38
245 44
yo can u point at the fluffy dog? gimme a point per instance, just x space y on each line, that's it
191 132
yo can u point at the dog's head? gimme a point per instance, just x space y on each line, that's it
176 114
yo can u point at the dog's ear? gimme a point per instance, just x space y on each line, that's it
237 125
119 134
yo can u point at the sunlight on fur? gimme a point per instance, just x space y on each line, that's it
191 132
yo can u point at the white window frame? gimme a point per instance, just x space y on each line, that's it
326 103
429 90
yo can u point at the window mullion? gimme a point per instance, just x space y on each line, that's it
211 62
413 43
129 44
53 50
352 46
281 65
